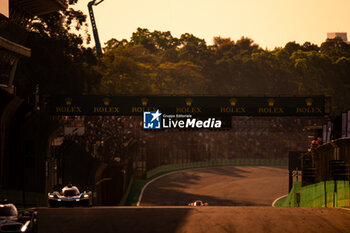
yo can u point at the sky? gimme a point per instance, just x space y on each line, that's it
270 23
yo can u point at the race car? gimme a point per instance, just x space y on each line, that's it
13 221
69 196
198 203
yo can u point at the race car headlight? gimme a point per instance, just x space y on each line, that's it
25 226
51 196
86 195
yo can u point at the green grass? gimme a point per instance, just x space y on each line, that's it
314 195
281 202
135 191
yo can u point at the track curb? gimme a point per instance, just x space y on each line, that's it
149 182
158 177
277 199
145 186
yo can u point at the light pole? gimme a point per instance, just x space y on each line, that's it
94 27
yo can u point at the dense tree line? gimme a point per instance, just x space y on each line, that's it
60 62
159 63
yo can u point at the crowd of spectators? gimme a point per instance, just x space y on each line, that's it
102 136
250 137
108 137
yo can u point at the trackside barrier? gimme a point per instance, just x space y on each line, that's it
330 161
126 194
323 194
217 163
30 198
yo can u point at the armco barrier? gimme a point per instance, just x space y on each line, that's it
217 163
323 194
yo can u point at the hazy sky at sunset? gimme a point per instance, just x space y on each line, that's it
270 23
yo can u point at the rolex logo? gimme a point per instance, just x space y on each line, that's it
188 101
308 102
233 101
144 101
68 101
106 101
271 102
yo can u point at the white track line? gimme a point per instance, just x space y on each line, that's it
274 202
343 208
144 187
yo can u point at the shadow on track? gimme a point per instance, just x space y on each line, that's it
221 186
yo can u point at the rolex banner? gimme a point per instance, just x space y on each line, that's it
194 105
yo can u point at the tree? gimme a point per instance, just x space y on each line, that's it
129 70
60 64
180 78
335 48
158 63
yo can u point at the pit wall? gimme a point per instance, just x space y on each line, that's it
323 194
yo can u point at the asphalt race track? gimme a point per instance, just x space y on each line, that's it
222 186
217 186
193 220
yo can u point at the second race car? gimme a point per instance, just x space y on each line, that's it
70 196
13 221
198 203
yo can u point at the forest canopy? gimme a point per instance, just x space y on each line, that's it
157 63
